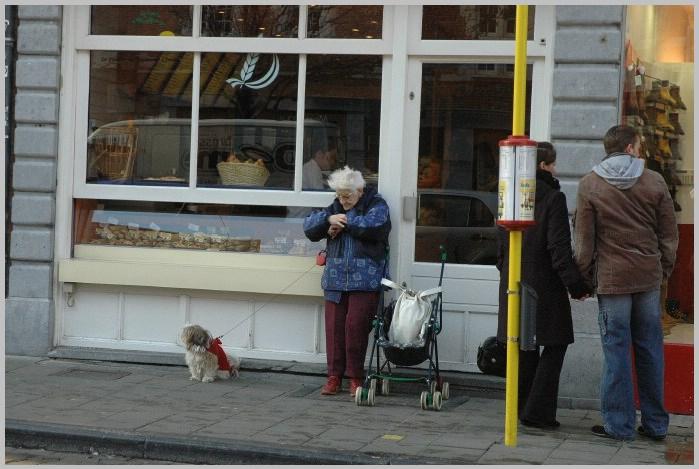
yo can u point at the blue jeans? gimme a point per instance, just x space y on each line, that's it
625 320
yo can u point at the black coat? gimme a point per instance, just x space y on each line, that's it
547 265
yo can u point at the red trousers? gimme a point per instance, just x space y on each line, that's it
347 327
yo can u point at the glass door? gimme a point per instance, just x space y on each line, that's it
465 109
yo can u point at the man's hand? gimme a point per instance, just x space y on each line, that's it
339 220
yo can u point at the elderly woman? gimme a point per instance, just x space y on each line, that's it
356 227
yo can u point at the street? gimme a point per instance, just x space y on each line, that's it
38 457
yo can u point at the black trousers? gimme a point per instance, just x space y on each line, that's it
538 383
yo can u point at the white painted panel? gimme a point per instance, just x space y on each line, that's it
482 323
95 314
451 340
218 316
285 326
153 318
464 291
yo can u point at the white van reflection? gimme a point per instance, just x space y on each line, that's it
460 220
161 149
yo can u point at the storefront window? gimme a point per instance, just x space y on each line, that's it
140 105
247 120
658 100
343 102
347 22
470 22
250 21
465 110
142 20
211 227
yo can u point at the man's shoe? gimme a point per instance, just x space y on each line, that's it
354 384
600 431
543 425
333 385
642 431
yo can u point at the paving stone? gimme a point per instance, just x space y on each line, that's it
451 453
636 456
499 453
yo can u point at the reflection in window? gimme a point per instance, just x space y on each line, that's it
465 110
247 120
343 102
211 227
470 22
348 22
141 20
250 21
139 117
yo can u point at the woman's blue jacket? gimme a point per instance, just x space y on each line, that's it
357 256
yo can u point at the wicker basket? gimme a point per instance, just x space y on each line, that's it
242 174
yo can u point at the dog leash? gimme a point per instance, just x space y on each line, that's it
268 302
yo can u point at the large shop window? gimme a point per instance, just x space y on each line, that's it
236 116
658 100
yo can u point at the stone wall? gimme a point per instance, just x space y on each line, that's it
586 89
29 318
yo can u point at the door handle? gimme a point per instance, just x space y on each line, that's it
409 207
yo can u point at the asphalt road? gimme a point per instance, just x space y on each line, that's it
39 457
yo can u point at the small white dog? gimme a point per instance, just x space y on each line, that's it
205 357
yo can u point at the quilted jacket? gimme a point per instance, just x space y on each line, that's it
357 256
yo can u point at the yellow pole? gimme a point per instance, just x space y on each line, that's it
512 370
520 88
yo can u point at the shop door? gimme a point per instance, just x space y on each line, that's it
457 115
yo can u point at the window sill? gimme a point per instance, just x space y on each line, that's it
197 270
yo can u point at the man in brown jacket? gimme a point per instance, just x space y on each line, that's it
626 240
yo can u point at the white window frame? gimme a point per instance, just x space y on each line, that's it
84 43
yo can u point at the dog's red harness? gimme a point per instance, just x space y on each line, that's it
216 349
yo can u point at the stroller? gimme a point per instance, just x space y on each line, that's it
407 355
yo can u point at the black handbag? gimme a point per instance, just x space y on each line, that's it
492 357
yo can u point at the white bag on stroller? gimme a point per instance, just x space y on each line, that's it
410 315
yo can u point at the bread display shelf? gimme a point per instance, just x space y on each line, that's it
116 235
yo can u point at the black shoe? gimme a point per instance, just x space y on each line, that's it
600 431
642 431
544 425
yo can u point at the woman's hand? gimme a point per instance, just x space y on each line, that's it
334 230
339 220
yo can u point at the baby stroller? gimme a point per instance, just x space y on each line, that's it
410 354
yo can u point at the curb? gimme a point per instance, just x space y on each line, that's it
189 450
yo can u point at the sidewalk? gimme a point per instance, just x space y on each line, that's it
156 412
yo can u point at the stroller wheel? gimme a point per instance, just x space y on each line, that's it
358 396
433 386
423 400
445 390
372 384
385 388
370 397
437 401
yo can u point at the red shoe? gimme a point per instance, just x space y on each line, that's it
354 384
333 385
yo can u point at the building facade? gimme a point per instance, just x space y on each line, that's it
138 205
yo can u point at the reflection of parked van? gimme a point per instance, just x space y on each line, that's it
462 221
163 145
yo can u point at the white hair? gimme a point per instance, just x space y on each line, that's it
346 179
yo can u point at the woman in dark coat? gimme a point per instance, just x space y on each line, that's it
548 267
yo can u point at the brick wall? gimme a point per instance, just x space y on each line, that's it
29 317
586 89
